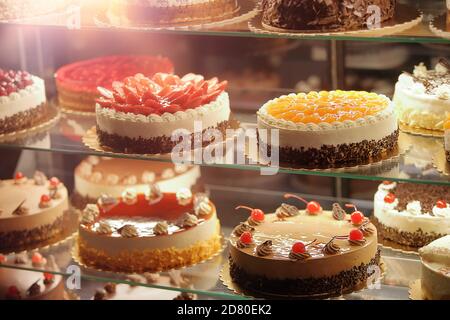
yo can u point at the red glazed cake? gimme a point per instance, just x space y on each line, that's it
77 82
22 101
140 114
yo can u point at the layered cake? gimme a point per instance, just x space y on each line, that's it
422 99
22 101
96 176
412 214
319 15
31 210
303 252
17 284
170 12
435 258
329 129
140 114
149 231
19 9
77 82
447 138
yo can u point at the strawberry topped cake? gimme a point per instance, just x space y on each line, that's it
77 82
22 101
140 114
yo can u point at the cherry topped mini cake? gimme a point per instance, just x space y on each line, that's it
77 82
151 231
22 101
302 252
140 114
329 129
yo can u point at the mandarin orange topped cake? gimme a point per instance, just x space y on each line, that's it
330 128
447 137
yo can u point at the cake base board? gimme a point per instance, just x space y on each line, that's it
225 277
391 245
415 290
420 132
440 161
405 18
439 26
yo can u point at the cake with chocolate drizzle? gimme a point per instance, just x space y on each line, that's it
412 214
324 15
148 232
303 252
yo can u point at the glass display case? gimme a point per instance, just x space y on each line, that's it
259 63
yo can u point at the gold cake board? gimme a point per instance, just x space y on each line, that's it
440 161
420 131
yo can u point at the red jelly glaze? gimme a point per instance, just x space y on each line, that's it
13 81
246 237
441 204
298 247
356 235
87 75
389 198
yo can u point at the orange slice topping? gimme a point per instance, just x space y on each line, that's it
327 106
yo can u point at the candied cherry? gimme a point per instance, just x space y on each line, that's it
255 214
36 258
313 207
441 204
356 235
19 175
45 198
389 198
299 247
54 182
357 217
48 277
246 237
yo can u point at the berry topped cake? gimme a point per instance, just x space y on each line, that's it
322 15
77 82
151 231
329 129
22 101
303 252
422 99
96 177
170 12
140 114
412 214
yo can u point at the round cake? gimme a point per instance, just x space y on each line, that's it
20 9
150 232
22 101
447 138
170 12
141 114
329 129
422 99
320 15
77 82
31 210
96 176
295 252
16 284
412 214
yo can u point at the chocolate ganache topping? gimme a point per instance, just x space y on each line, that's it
241 228
264 249
338 212
286 211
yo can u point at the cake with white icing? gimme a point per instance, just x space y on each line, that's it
412 214
435 280
22 101
422 99
329 129
140 114
97 176
148 232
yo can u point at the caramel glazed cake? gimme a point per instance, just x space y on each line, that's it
329 129
323 15
31 210
16 284
412 214
96 176
149 232
295 252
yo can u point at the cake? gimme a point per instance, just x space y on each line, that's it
329 129
17 284
170 12
22 101
19 9
435 280
447 138
77 82
147 232
141 114
96 176
320 15
422 99
31 210
303 252
412 214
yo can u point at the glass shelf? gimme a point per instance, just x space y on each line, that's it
91 19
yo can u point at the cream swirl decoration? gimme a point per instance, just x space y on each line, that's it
286 211
299 256
90 214
264 249
128 231
40 178
241 228
203 208
184 196
190 220
338 212
104 228
161 228
331 248
129 196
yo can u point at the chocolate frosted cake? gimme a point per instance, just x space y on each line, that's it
323 15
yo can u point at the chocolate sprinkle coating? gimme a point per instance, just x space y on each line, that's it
428 195
24 119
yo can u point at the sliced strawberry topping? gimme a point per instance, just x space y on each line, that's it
13 81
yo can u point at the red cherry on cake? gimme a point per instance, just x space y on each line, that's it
387 182
37 258
3 259
45 198
389 198
441 204
246 237
19 175
48 277
357 217
298 247
255 214
356 235
13 293
313 207
54 182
